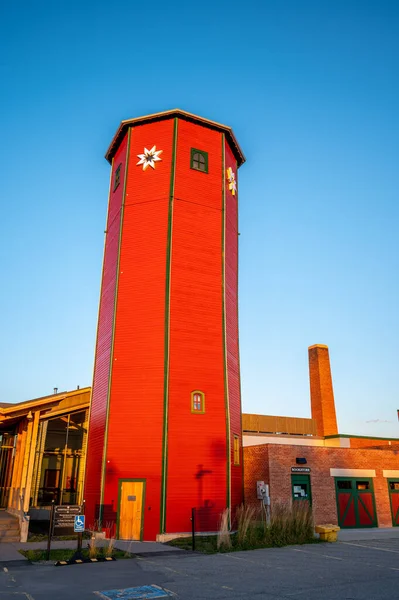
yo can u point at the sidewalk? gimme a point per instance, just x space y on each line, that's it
375 533
9 550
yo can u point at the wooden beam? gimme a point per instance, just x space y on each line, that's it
30 457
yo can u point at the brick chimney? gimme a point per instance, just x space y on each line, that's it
321 391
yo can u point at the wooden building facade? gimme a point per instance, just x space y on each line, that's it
42 454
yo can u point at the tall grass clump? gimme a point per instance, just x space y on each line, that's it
109 548
223 538
93 547
128 551
245 518
290 524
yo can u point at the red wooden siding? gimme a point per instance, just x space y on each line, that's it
231 304
104 342
136 412
196 442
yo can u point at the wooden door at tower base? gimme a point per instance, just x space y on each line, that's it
355 502
130 509
393 486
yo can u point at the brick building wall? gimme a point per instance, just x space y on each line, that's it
272 463
256 468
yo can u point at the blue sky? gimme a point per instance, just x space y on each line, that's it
311 89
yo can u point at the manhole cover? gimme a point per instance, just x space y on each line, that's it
143 592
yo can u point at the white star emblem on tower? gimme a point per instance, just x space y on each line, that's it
231 178
149 158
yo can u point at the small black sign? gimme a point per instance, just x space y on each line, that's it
64 516
300 469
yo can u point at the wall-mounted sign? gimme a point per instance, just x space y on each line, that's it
300 469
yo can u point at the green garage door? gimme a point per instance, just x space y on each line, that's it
355 502
393 486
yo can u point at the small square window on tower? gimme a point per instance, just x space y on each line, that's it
117 179
199 160
236 449
197 402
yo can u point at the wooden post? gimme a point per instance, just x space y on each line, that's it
50 530
31 451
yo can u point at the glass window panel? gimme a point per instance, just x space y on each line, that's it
344 485
199 161
117 177
60 456
394 485
362 485
301 491
197 402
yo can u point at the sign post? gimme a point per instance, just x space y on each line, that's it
193 528
50 529
79 528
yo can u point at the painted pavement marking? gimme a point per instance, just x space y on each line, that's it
143 592
254 562
370 547
25 594
316 554
336 558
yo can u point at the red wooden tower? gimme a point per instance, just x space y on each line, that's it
165 422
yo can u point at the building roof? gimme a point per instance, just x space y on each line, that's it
11 410
169 114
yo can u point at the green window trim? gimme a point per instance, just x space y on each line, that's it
117 178
197 402
199 160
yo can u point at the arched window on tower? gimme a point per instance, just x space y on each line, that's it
197 402
199 160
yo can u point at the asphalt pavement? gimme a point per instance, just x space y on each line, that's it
365 569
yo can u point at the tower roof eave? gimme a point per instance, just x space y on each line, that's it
167 114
